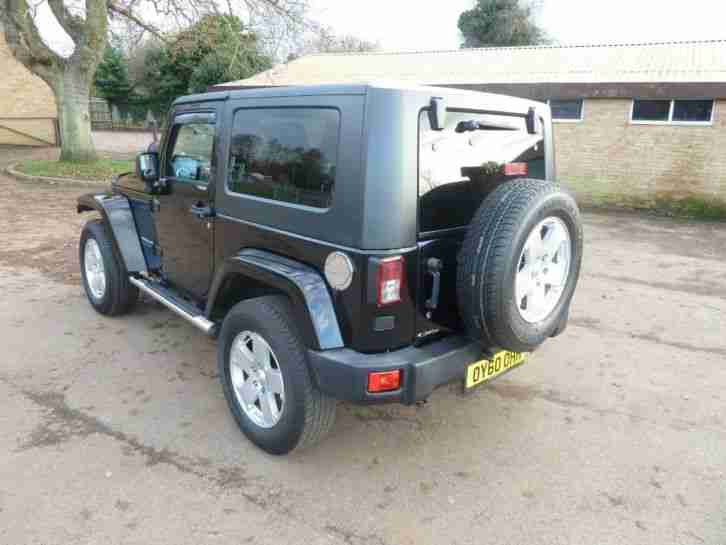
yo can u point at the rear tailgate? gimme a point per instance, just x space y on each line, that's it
458 167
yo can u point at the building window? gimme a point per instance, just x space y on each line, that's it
566 109
285 154
693 110
679 111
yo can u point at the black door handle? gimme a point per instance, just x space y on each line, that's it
201 211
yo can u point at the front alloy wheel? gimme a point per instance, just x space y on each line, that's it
94 269
104 274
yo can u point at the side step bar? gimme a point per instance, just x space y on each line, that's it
184 309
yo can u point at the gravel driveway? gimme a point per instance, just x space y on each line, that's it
121 141
116 430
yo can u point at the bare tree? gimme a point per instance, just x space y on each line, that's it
322 39
86 22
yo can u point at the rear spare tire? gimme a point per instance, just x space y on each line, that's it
519 265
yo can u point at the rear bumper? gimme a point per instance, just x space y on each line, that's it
343 373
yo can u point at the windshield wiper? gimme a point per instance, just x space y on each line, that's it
474 125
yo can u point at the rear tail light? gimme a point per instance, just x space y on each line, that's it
515 169
390 281
384 381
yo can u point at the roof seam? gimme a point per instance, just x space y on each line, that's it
513 48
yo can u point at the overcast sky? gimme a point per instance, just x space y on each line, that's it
420 24
432 24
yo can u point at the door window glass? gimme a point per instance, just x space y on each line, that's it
285 154
191 155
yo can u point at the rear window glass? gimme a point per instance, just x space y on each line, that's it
461 164
285 154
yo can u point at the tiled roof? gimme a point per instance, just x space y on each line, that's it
695 61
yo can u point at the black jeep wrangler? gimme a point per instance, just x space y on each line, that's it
366 243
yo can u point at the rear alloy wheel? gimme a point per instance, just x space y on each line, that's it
257 379
266 378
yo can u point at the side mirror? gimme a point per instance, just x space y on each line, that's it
437 114
147 166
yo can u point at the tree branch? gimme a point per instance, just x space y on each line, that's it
72 24
117 9
25 43
93 39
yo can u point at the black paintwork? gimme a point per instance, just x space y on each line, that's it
303 285
117 212
343 373
216 247
354 310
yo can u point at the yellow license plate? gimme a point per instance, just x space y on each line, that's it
485 370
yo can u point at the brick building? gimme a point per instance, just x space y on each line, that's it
634 123
27 106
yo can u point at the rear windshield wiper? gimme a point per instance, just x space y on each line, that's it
473 125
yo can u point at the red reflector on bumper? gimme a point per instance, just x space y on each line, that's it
384 381
515 169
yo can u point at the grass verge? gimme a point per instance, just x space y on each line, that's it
101 169
591 194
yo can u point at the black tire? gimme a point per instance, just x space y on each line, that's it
488 262
120 295
308 415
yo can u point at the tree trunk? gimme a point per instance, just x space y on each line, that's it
72 93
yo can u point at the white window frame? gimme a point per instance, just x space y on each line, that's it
560 120
670 113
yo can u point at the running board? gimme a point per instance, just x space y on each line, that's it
167 298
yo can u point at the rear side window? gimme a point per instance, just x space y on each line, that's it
461 164
285 154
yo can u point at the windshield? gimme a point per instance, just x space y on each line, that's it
461 164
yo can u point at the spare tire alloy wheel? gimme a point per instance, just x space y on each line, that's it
257 379
519 265
543 269
94 269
